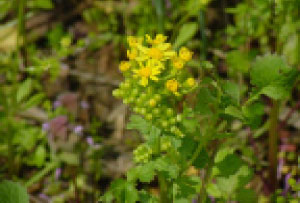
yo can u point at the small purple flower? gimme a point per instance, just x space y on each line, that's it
58 173
44 197
90 141
45 126
279 168
56 104
84 104
78 130
286 183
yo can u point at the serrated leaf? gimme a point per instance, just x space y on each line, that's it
11 192
163 164
24 90
145 173
186 188
138 123
186 32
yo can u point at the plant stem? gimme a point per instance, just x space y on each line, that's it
163 186
273 145
51 166
160 12
201 19
21 40
207 176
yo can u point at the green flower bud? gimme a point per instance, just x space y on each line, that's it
169 112
152 102
179 117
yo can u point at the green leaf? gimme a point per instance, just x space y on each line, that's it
138 123
164 164
186 33
275 92
24 90
131 194
34 101
246 196
40 156
233 91
69 158
234 111
201 159
230 165
253 114
186 188
11 192
145 173
206 102
44 4
238 61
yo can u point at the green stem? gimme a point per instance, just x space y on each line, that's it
273 145
51 166
203 47
207 176
163 186
21 40
160 12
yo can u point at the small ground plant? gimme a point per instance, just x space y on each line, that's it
183 132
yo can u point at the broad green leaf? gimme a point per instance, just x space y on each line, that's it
11 192
69 158
246 196
266 70
233 91
24 90
206 102
238 61
234 111
131 194
213 190
33 101
40 156
201 159
44 4
186 188
186 32
229 165
138 123
145 173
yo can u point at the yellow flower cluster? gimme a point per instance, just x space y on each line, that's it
155 80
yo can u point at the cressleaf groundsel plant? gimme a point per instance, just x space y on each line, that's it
182 132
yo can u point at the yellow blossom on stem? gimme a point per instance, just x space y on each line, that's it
178 63
158 39
134 41
191 82
172 85
185 54
146 72
132 54
124 66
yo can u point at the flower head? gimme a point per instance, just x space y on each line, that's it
134 41
191 82
147 72
178 63
157 40
132 54
124 66
185 54
172 85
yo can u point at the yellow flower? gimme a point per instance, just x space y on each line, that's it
172 85
159 39
147 72
160 52
178 63
132 54
124 66
185 54
191 82
134 41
